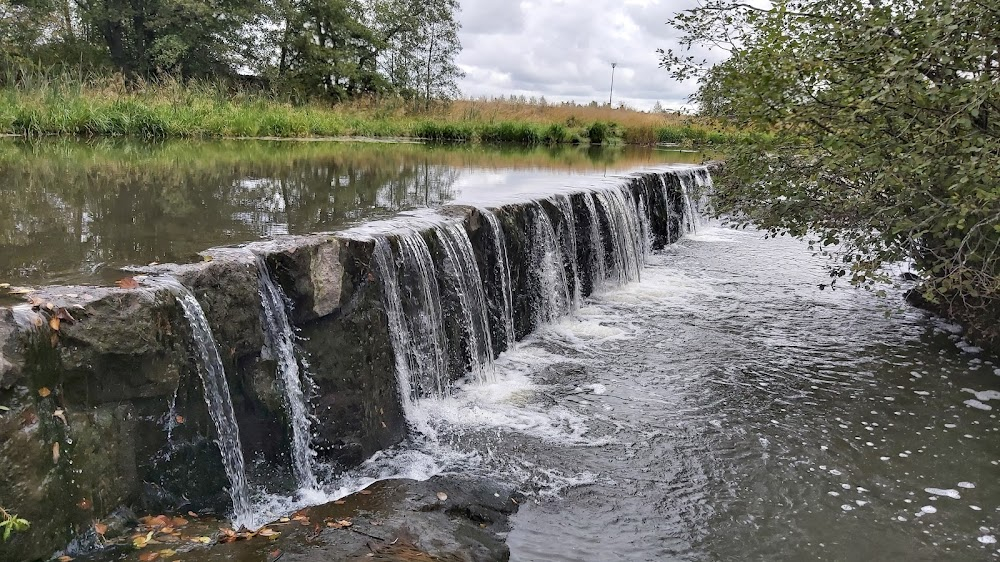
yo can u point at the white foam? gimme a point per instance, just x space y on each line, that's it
928 509
978 405
967 485
988 539
947 493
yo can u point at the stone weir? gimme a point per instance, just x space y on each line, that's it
271 366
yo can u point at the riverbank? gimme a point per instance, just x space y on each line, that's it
65 108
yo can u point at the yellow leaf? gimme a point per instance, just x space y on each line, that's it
202 540
268 533
100 528
167 553
44 392
55 452
54 324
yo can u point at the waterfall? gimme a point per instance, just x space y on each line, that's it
472 298
399 333
691 216
599 258
440 309
217 399
503 266
569 247
624 233
553 299
413 303
280 339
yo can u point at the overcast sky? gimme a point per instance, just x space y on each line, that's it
563 50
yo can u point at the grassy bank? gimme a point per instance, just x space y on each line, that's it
107 108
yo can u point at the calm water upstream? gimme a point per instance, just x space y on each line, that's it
722 408
77 213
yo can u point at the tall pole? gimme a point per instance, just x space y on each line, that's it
612 96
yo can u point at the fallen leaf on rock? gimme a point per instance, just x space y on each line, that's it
36 302
54 323
18 290
180 421
64 558
340 502
442 496
50 307
64 315
140 541
284 520
44 392
100 528
5 286
300 517
201 540
191 513
167 553
55 453
179 521
37 321
148 556
127 283
268 533
60 415
365 492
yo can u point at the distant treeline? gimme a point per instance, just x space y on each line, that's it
304 49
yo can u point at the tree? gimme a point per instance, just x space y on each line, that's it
876 131
420 39
189 37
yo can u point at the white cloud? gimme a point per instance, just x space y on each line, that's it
563 50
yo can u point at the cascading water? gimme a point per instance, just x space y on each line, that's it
503 265
217 399
569 249
689 183
625 234
599 260
472 298
413 302
280 341
553 299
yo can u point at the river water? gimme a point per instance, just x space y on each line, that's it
722 407
725 408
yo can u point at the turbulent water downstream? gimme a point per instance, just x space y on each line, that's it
725 408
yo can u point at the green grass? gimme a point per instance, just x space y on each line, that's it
60 106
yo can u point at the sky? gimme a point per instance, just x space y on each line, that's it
563 50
